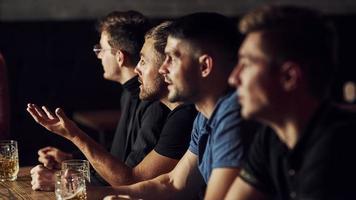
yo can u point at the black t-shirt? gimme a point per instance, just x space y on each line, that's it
176 132
139 127
145 132
320 166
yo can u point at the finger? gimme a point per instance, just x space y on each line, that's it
36 109
35 169
123 196
61 115
50 165
45 176
33 183
40 112
111 197
36 114
35 187
49 113
48 161
38 187
45 150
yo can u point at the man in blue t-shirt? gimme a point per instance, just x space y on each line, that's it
200 54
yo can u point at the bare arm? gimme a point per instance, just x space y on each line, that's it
243 191
220 182
106 165
183 182
103 162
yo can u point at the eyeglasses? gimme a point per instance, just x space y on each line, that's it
97 49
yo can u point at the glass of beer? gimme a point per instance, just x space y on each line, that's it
9 160
70 186
77 165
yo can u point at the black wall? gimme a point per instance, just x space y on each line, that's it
52 63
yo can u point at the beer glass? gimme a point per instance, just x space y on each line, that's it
9 161
70 186
77 165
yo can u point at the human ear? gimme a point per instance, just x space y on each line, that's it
206 64
291 76
120 57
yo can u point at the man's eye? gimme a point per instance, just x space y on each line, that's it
173 59
168 59
142 62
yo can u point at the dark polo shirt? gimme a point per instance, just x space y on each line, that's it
321 166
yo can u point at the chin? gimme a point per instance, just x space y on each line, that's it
107 77
246 114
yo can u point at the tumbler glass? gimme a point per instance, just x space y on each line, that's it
76 165
9 160
70 186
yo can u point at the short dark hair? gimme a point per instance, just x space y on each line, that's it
297 34
159 34
210 32
126 31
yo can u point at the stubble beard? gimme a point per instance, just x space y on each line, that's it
154 92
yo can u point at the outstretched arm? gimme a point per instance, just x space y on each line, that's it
103 162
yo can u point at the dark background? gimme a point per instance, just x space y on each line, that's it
52 63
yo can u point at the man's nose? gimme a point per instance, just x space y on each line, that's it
234 79
137 70
163 68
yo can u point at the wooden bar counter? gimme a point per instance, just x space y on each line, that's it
21 189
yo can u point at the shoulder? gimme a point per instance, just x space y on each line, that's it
184 112
227 110
181 118
228 102
227 105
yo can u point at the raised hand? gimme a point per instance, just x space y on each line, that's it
57 123
52 157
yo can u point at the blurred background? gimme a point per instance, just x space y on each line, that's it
47 45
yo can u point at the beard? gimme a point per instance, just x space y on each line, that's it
153 91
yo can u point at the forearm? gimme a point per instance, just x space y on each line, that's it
161 187
102 161
183 182
219 182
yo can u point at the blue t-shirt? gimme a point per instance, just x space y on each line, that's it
217 141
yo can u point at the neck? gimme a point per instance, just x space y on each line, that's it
126 74
206 102
290 124
170 105
213 88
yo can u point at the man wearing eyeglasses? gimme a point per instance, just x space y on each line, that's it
142 147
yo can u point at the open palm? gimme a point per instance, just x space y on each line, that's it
57 123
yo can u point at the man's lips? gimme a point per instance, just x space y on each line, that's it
167 80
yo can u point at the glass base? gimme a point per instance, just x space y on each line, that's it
8 179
